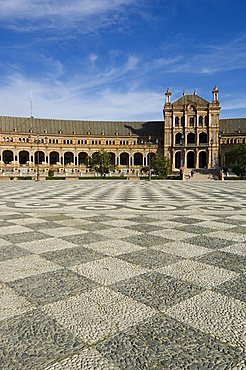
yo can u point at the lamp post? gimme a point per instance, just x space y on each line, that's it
211 148
37 172
182 150
149 144
220 136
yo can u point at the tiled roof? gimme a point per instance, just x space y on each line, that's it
189 99
233 125
70 127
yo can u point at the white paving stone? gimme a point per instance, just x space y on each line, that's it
108 270
214 314
98 314
198 273
19 268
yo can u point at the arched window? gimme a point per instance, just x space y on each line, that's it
178 138
191 121
200 121
176 121
191 138
203 138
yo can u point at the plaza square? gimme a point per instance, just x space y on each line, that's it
121 275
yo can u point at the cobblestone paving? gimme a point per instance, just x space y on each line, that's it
122 276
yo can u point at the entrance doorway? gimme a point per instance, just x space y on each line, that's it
203 159
191 159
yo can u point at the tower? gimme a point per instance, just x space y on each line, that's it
191 131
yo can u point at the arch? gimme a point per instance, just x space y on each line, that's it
39 157
243 141
191 138
177 159
68 158
178 138
235 141
203 138
83 156
150 156
138 159
23 157
200 121
8 156
203 159
191 159
176 121
112 158
54 157
228 141
124 159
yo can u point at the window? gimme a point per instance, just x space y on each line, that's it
200 121
191 121
176 121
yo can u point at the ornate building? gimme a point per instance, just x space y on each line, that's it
191 136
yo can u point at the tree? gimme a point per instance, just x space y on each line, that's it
235 159
100 163
160 165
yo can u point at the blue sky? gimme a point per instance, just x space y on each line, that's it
114 59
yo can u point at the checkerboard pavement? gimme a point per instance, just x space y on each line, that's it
120 275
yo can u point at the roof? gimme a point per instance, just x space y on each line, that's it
70 127
233 125
191 99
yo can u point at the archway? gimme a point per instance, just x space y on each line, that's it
203 159
68 158
112 158
54 157
178 138
138 159
191 138
191 159
177 159
8 156
203 138
39 157
83 156
149 157
124 159
23 157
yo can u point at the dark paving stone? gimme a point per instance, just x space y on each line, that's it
12 251
142 219
25 237
14 216
44 225
146 240
56 217
238 229
143 228
150 258
210 242
164 343
234 288
72 256
196 229
52 286
101 218
93 227
4 223
156 289
186 220
31 341
83 239
226 260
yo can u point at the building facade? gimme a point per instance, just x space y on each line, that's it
192 135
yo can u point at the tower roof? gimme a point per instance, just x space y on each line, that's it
191 99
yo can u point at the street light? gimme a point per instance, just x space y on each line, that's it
220 136
211 145
149 143
37 172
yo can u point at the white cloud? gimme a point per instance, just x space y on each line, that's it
66 101
28 15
